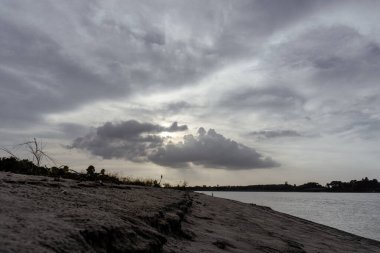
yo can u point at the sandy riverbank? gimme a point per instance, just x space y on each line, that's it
38 214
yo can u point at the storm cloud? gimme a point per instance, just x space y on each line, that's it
130 140
139 142
212 150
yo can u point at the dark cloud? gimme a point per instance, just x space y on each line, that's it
138 142
135 149
37 77
271 134
175 128
130 140
210 149
132 128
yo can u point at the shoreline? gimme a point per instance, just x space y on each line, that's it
353 213
293 192
38 214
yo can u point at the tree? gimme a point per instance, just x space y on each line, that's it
65 169
102 172
90 170
35 148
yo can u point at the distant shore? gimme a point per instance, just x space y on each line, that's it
364 185
191 189
41 214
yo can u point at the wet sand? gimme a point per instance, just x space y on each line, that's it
39 214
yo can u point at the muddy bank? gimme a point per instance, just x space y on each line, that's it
38 214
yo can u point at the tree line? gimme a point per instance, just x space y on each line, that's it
363 185
24 166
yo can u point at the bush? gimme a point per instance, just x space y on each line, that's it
12 164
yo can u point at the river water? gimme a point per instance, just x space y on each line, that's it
356 213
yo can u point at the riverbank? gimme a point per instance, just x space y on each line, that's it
355 213
40 214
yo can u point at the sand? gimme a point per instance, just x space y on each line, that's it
40 214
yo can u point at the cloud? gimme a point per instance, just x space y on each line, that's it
305 75
335 56
210 149
270 99
130 140
339 63
132 128
176 107
294 67
57 57
38 78
271 134
139 142
176 128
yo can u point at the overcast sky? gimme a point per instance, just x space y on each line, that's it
211 92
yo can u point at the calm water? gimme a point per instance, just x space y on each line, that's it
357 213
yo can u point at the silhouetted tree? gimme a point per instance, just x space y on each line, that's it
35 148
65 169
90 170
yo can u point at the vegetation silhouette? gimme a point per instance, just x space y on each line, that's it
364 185
34 167
35 148
24 166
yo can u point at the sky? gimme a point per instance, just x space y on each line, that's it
207 92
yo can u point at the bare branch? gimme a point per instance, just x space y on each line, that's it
35 148
48 157
9 152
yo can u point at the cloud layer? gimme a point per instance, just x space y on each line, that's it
68 62
300 68
139 142
56 57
